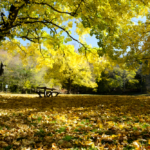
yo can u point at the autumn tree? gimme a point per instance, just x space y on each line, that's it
130 43
111 22
70 68
117 79
65 66
28 19
20 75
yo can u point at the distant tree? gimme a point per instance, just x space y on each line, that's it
71 68
19 76
117 79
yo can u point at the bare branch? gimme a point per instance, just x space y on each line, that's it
53 8
27 38
25 18
69 13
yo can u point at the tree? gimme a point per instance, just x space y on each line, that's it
111 22
129 44
123 77
118 78
28 19
18 76
70 68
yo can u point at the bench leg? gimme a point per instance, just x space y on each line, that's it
49 94
44 93
57 94
39 94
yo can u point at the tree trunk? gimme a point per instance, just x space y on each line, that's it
141 83
69 86
2 86
124 81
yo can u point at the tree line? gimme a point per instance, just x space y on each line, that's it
24 78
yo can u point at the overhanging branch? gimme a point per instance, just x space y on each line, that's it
46 21
62 12
68 34
15 21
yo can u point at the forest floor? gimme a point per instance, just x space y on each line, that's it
74 122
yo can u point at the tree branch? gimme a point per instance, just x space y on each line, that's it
2 15
27 38
39 43
69 13
53 8
68 34
74 13
13 12
25 18
46 21
21 49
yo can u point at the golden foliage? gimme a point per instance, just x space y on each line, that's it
66 122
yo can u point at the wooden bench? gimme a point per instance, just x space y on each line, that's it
47 93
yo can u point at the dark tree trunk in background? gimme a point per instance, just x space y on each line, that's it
1 69
69 86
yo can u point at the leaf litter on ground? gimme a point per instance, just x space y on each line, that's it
75 122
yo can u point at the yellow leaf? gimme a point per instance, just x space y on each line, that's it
70 24
113 136
100 125
136 144
40 19
149 141
87 143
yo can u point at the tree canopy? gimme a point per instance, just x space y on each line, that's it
44 23
71 68
28 19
